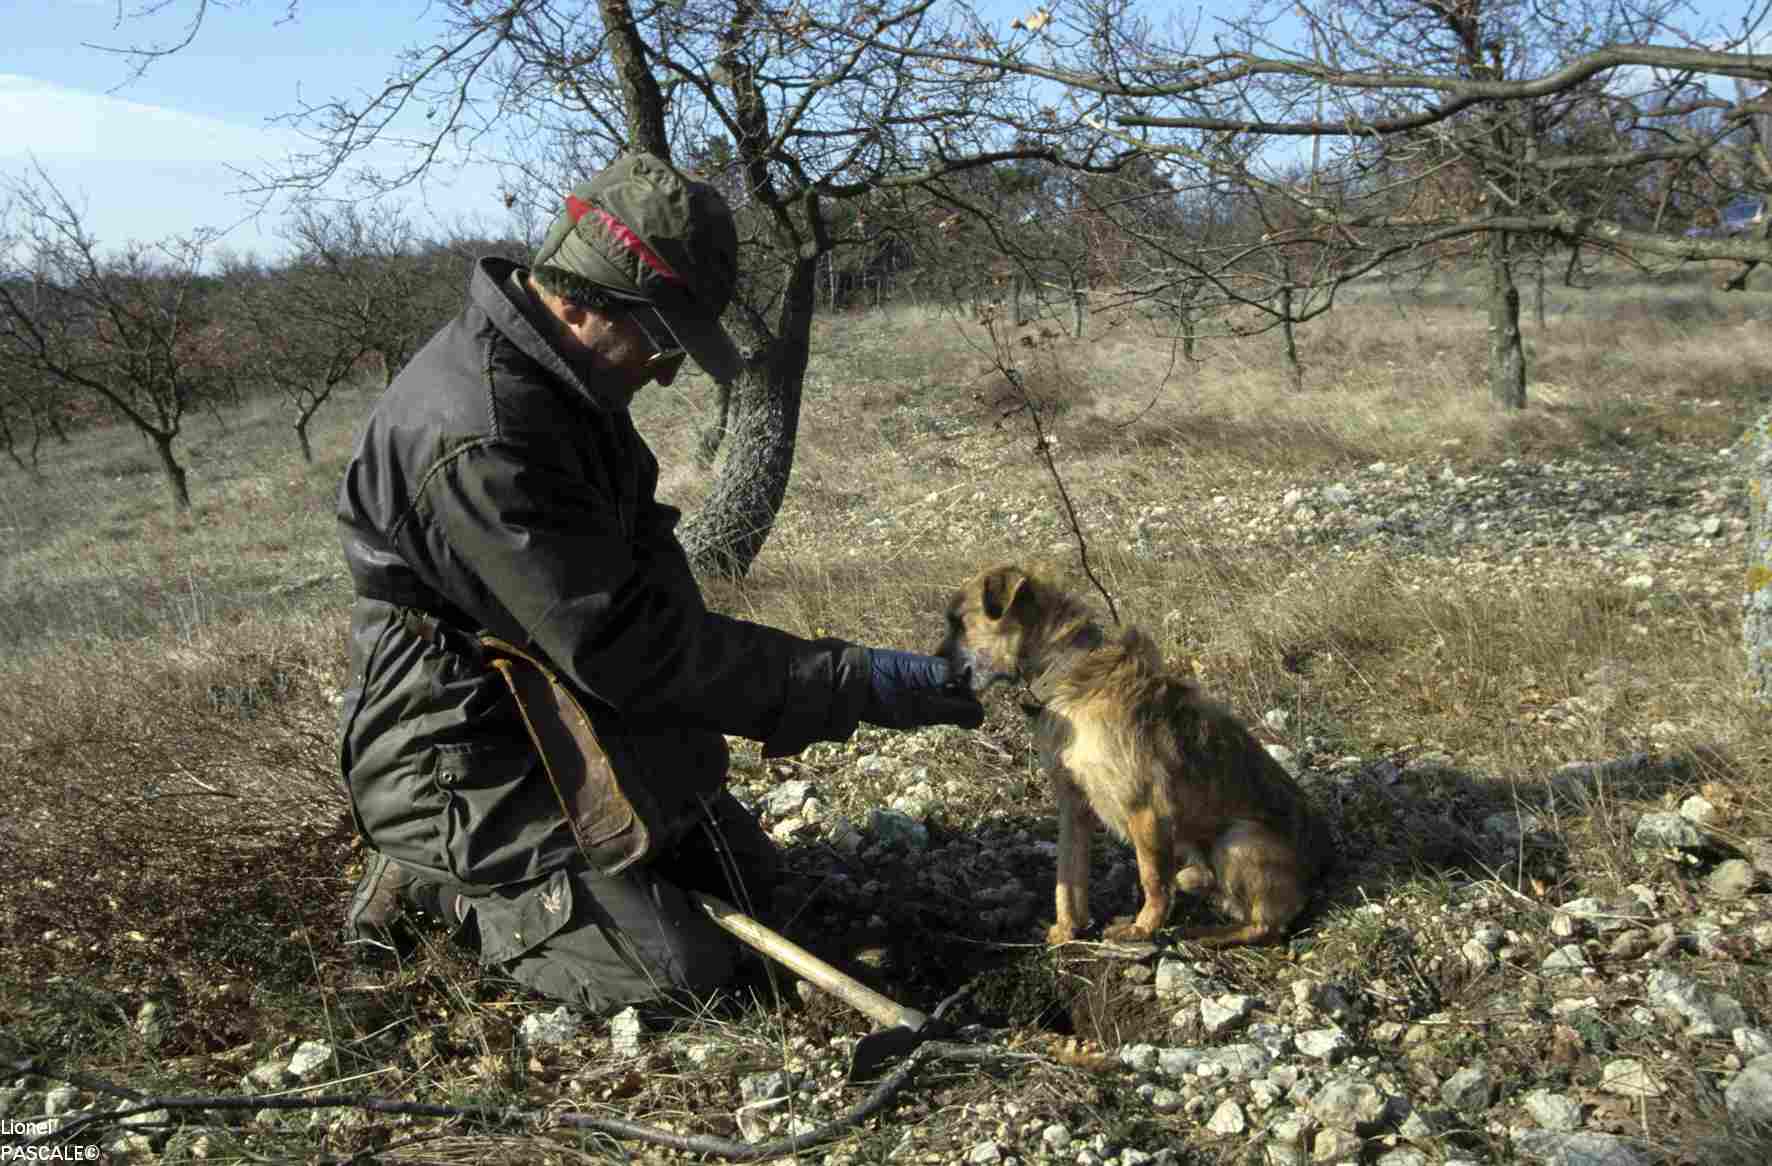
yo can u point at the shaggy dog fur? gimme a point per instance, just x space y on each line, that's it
1202 803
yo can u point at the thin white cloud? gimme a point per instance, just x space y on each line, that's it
179 171
53 121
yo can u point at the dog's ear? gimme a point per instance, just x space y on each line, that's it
1006 589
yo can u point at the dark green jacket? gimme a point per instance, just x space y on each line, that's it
498 488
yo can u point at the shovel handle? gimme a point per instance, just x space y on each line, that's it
851 991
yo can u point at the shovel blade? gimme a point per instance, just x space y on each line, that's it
880 1048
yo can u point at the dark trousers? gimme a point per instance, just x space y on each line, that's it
603 942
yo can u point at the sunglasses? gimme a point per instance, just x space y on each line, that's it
663 355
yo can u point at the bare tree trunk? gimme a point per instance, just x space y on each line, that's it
1293 368
1756 624
642 99
708 448
1507 356
1015 293
1538 292
7 442
1079 305
1737 281
175 473
729 531
221 422
37 441
301 436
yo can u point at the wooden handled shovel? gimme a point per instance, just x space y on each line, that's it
906 1028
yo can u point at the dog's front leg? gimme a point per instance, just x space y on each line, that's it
1072 896
1150 836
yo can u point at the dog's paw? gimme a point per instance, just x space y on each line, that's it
1058 933
1125 930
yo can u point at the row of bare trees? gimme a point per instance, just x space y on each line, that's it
148 334
1236 172
359 288
1487 127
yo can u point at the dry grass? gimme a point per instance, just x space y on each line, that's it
168 683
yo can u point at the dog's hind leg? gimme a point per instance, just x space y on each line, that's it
1258 882
1149 833
1075 823
1195 876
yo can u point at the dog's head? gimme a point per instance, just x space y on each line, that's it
994 626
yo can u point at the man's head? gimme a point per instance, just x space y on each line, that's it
639 265
625 341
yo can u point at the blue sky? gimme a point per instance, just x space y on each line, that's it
156 156
159 155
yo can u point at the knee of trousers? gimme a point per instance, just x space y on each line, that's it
632 939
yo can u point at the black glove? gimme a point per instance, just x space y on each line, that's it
907 691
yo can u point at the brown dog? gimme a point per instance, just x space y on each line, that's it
1200 800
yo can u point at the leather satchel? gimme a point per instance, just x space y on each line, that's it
626 793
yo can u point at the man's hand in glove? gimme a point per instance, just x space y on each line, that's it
908 691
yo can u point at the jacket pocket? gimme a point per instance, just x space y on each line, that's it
486 810
513 924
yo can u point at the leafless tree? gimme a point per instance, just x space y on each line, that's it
32 409
367 271
356 286
1607 127
133 330
789 120
289 336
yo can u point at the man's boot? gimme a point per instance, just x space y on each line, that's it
379 921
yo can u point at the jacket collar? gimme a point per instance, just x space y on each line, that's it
526 323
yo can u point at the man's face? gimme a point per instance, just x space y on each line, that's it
620 347
634 348
664 356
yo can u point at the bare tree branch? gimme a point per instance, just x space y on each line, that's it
533 1119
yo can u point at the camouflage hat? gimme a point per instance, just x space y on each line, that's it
643 231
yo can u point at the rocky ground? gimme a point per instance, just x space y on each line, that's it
1566 968
1657 513
1443 1020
